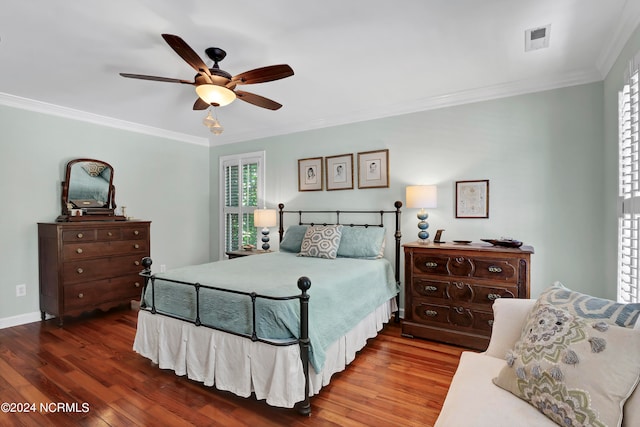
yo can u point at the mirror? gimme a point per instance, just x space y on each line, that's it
88 193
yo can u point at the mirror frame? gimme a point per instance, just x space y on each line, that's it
105 213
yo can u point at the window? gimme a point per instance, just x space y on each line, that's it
629 188
242 188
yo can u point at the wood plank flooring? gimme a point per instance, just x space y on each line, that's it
89 367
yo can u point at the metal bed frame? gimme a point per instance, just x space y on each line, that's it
304 283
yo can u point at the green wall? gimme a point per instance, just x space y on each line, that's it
158 179
542 153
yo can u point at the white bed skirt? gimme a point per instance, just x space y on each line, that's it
241 366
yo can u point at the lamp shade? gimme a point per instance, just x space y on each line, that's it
264 217
422 196
215 95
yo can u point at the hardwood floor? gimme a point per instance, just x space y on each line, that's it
90 367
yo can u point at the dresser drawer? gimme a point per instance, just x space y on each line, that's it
109 234
93 293
136 232
78 251
426 287
463 266
456 316
101 268
79 235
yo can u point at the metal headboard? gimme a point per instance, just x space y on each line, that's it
397 234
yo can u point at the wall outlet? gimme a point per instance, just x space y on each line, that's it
163 268
21 290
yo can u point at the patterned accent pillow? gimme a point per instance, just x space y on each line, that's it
321 241
576 371
589 307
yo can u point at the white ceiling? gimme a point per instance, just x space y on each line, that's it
353 59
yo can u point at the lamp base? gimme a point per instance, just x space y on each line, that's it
265 239
423 225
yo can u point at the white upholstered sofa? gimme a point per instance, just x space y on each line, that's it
473 399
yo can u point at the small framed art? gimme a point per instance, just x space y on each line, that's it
310 174
339 172
472 199
373 169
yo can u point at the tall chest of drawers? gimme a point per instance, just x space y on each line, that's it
450 288
90 265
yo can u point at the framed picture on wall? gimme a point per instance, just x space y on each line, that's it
339 172
310 174
373 169
472 199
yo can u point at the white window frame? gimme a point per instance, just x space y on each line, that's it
629 186
240 160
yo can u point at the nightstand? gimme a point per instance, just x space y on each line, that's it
241 252
450 288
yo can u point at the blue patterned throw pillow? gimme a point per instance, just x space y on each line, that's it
592 308
321 241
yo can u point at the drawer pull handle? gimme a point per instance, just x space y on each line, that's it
136 262
136 232
80 271
109 234
495 269
493 297
431 313
430 264
137 284
80 295
490 322
80 235
459 310
136 246
430 289
79 250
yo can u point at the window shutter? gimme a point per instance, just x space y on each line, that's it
629 189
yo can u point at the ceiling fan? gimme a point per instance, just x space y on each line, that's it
216 87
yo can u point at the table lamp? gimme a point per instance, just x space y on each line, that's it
264 218
422 196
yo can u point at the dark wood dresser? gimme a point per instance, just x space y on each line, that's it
450 288
90 265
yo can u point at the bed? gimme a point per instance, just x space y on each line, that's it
241 326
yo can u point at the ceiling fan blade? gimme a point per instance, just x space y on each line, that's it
264 74
258 100
186 53
200 104
157 79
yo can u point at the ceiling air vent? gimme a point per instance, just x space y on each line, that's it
537 38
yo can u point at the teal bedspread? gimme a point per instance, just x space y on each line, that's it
343 291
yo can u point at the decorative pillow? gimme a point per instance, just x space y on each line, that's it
292 239
362 242
576 371
321 241
591 308
92 168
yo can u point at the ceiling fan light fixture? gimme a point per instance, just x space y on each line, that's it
215 95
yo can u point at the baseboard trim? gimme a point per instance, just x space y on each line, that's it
21 319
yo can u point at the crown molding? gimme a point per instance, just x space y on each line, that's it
487 93
629 21
70 113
